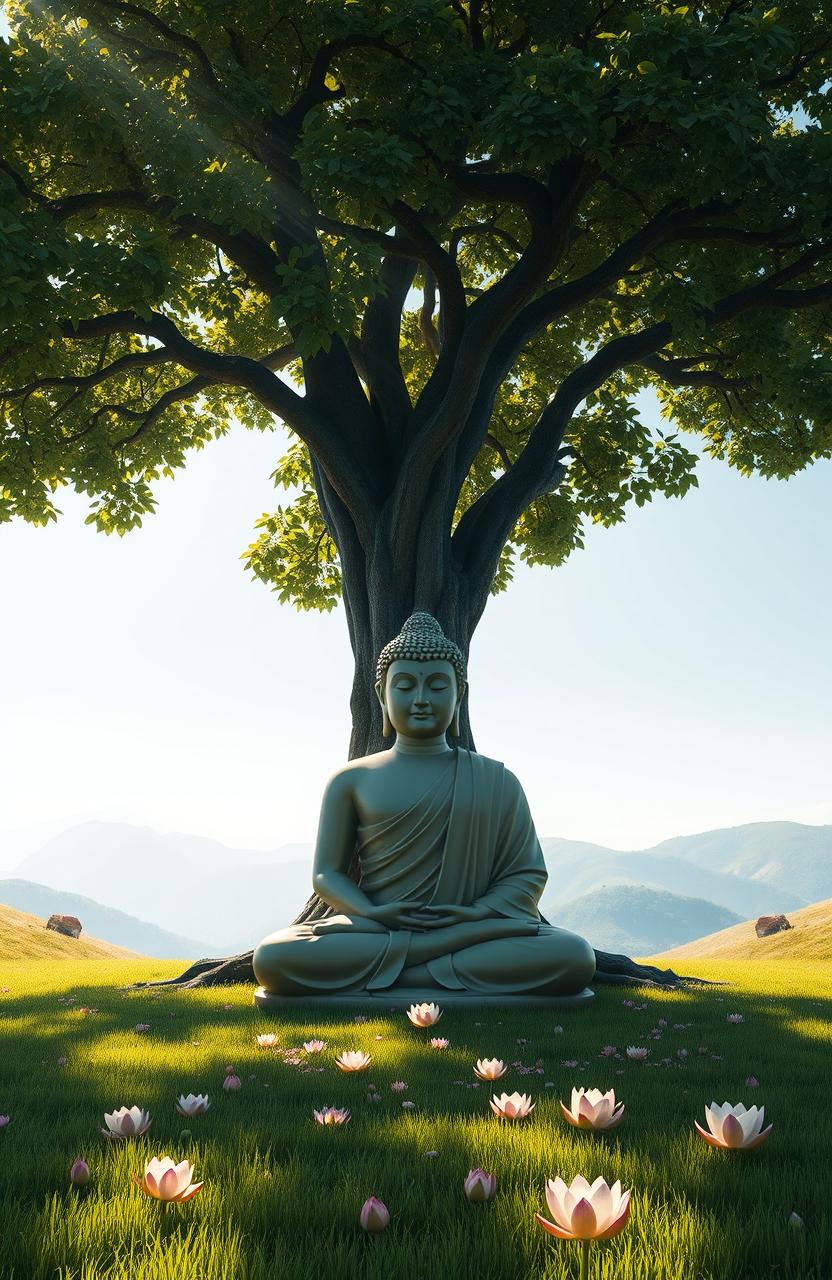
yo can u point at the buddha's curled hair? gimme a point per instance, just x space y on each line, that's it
421 639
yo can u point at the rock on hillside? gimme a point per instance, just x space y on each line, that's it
637 920
810 938
102 922
24 937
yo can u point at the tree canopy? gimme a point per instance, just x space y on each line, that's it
469 233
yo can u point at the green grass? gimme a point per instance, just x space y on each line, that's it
281 1197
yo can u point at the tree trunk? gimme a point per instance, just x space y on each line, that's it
378 597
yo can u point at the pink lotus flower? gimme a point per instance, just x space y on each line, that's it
314 1046
637 1053
267 1041
439 1042
126 1122
398 1086
490 1068
733 1127
480 1186
165 1180
424 1015
592 1109
4 1120
79 1173
353 1060
608 1050
373 1216
231 1082
584 1212
193 1105
512 1106
752 1083
332 1115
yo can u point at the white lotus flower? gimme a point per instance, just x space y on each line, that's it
424 1015
637 1052
165 1180
584 1212
126 1122
490 1068
314 1046
267 1041
194 1105
353 1060
512 1106
733 1127
592 1109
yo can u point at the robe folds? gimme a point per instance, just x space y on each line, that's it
468 840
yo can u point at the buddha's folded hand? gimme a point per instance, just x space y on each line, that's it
447 915
399 915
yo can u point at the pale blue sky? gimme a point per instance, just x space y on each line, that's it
673 676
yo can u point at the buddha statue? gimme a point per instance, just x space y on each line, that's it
451 870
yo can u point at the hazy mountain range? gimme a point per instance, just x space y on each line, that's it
195 888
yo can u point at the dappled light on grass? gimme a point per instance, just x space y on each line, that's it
282 1194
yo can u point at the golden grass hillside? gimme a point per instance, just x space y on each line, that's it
25 937
810 938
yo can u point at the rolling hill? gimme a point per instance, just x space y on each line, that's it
636 920
25 937
108 924
810 938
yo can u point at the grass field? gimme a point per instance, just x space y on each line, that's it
281 1196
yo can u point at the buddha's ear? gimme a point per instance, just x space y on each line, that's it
461 686
386 726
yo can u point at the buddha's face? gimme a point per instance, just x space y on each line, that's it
420 697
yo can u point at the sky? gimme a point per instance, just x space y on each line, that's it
671 678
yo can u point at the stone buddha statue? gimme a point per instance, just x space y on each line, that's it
451 870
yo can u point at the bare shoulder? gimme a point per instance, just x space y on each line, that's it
350 776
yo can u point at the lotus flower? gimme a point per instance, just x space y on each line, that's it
79 1173
142 1026
314 1046
231 1082
398 1086
267 1041
127 1122
409 1106
584 1212
637 1053
374 1216
512 1106
193 1105
734 1127
4 1120
490 1068
592 1109
734 1018
480 1186
439 1042
353 1060
332 1115
424 1015
165 1180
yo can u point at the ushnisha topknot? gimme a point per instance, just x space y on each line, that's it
421 639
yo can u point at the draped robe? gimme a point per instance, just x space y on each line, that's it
469 839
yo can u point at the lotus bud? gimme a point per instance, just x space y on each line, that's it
374 1216
480 1186
79 1173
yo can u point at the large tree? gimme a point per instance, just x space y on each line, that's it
468 234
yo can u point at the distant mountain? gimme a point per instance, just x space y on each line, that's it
810 938
787 855
192 886
638 921
185 884
25 937
101 922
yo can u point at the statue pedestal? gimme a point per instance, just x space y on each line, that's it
402 998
